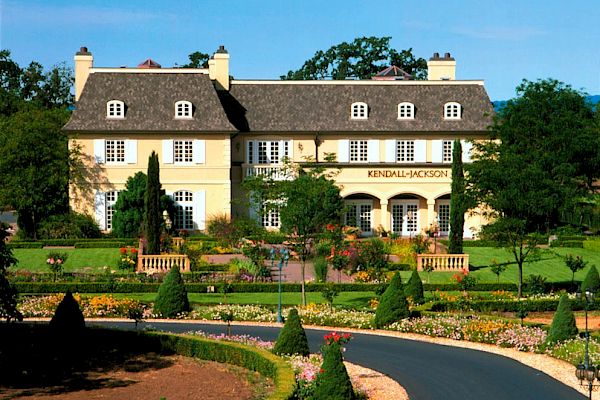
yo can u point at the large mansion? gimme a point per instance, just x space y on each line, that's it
392 137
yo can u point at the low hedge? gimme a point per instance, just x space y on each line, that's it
578 244
80 243
25 245
100 245
593 245
535 305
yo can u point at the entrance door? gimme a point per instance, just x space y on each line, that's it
443 216
360 214
405 217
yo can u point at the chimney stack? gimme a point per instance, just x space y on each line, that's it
218 68
84 61
439 68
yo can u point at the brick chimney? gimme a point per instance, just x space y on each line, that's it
84 61
439 68
218 68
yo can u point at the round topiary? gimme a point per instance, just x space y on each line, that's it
414 288
563 324
393 305
172 297
68 315
292 338
591 281
333 382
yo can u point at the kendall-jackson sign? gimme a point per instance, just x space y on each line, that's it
408 173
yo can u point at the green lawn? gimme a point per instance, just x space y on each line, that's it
346 299
551 265
79 260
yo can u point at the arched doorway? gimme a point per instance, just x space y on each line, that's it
360 212
405 213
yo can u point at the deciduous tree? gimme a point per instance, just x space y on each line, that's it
362 58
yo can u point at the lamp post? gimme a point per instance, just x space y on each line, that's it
283 261
585 371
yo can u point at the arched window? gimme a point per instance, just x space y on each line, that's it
452 110
115 109
183 109
184 215
359 110
406 110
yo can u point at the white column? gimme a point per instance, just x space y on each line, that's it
385 215
431 215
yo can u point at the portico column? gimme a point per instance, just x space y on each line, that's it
430 212
385 215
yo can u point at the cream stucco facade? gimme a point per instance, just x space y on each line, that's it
392 139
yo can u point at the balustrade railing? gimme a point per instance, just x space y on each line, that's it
443 262
162 263
274 172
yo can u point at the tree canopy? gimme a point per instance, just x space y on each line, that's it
129 208
362 58
197 60
544 156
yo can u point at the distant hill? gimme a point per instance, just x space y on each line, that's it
498 104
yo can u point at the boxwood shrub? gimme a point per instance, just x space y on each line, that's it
593 245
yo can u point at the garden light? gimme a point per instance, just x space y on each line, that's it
585 370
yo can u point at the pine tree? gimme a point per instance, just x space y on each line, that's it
563 324
458 205
292 338
393 305
414 288
172 296
333 382
591 281
153 215
68 315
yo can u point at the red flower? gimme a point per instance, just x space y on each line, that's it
134 250
123 250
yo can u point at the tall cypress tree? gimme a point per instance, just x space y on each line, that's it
458 201
153 215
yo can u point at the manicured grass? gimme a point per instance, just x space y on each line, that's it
345 299
79 260
551 264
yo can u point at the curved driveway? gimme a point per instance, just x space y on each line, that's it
427 371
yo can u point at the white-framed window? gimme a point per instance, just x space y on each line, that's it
184 209
111 200
359 151
267 151
360 214
405 217
359 110
447 146
270 217
183 109
452 110
115 151
443 216
405 151
115 109
406 110
183 151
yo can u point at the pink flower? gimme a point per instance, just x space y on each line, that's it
50 261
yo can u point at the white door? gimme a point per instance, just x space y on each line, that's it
405 217
360 214
443 216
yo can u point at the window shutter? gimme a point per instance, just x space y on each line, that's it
343 150
99 150
167 151
421 151
467 146
199 151
199 215
131 151
373 150
390 150
436 151
100 207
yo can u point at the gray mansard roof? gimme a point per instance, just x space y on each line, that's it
275 106
149 103
326 107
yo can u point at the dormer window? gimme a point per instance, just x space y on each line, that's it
452 110
115 109
406 111
183 109
359 110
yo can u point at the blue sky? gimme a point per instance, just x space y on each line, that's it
501 42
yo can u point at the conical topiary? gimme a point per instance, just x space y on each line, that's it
393 305
563 324
172 297
591 281
292 338
333 382
68 315
414 288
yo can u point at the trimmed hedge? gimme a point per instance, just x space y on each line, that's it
593 245
537 305
78 243
575 244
